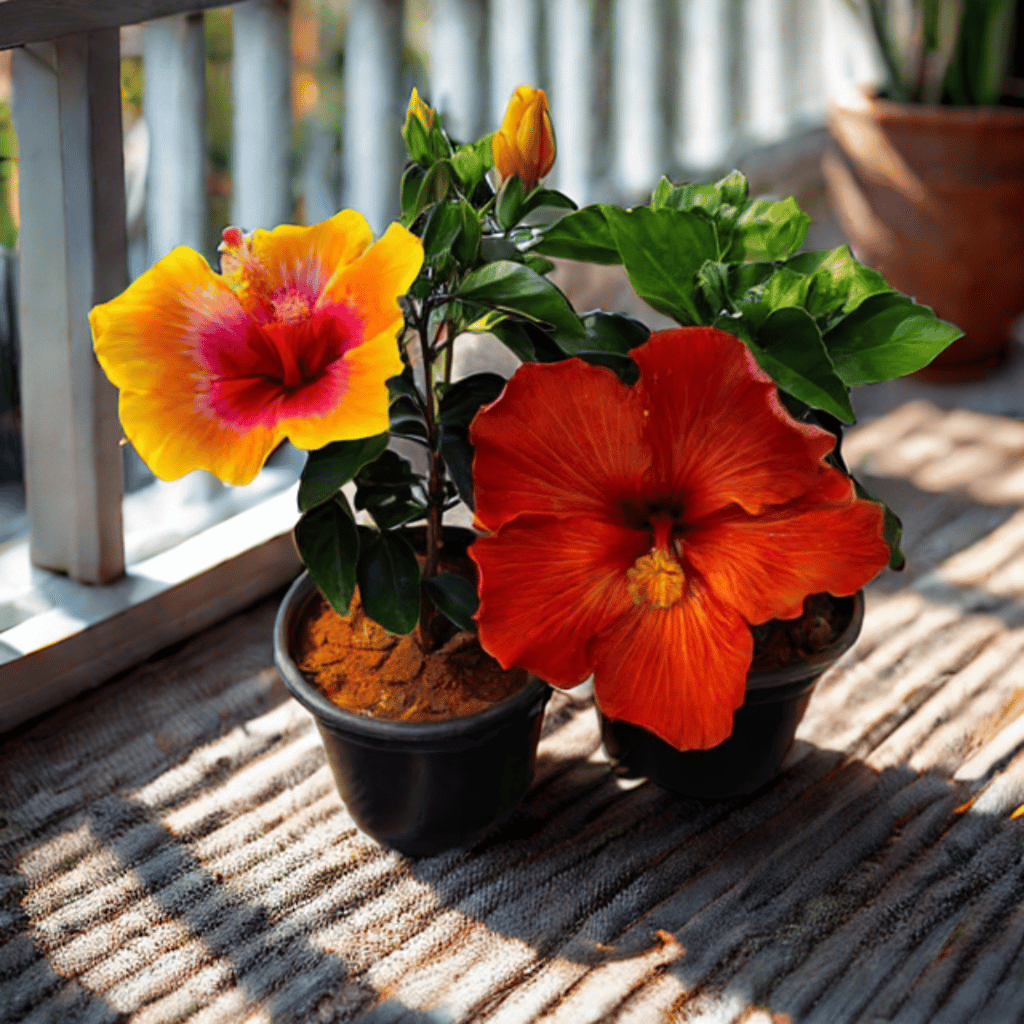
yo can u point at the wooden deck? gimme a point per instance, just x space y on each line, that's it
174 849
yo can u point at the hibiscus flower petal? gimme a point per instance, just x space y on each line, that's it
371 284
562 438
765 566
149 341
679 672
359 377
291 259
718 432
547 585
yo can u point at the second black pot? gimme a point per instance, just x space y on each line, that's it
419 787
763 729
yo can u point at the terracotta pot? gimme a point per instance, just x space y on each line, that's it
419 787
933 197
763 729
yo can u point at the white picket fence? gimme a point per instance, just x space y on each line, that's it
637 87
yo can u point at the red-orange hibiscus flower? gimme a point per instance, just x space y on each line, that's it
295 339
638 531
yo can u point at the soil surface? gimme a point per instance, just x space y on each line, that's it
363 668
783 642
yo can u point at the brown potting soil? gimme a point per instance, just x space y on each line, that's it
784 642
362 667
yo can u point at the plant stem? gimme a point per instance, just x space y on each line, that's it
435 488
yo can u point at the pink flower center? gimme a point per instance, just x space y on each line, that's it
291 366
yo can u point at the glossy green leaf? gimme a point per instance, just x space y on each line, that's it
743 277
402 384
840 283
516 288
454 596
789 347
892 531
457 453
662 253
467 246
389 580
661 192
329 468
768 230
498 247
528 341
538 263
443 227
463 399
887 336
412 182
786 288
583 236
713 286
545 198
509 201
436 185
614 333
328 544
406 420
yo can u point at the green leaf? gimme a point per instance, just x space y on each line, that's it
472 161
454 596
509 201
545 198
691 197
498 247
402 384
840 283
887 336
744 277
528 341
786 288
437 183
713 285
412 182
608 332
467 246
583 236
892 531
768 230
789 348
662 253
328 544
538 263
389 580
443 227
661 192
463 399
328 469
457 453
518 289
406 420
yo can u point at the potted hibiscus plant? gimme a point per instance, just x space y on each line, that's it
643 504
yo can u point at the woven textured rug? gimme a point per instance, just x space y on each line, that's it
174 850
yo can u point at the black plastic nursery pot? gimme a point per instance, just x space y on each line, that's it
763 729
419 787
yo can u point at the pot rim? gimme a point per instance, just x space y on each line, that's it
864 101
381 730
818 663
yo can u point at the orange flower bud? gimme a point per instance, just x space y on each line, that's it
525 143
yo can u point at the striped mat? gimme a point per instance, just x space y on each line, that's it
173 849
